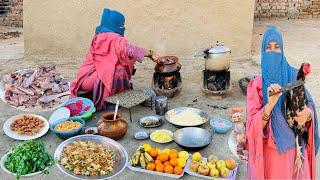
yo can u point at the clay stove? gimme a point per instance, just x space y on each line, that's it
167 78
216 82
216 75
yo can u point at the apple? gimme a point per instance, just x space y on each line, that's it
211 165
214 172
204 170
224 172
194 165
221 164
212 158
196 157
230 163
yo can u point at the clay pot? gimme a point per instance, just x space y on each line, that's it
114 129
167 64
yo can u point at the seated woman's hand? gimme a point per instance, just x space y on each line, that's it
303 116
155 58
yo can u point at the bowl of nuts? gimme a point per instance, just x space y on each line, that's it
66 128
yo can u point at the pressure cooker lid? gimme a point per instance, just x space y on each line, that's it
218 48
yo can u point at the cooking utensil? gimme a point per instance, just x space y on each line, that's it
217 57
288 87
173 112
161 105
193 138
116 111
14 135
150 121
121 155
167 64
129 99
150 101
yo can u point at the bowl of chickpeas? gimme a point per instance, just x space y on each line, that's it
66 128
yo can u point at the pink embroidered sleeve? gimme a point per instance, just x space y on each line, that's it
135 53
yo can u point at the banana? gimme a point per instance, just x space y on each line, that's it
135 158
142 161
148 157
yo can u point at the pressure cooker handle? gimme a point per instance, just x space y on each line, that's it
201 53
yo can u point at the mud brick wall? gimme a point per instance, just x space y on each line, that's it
11 13
292 9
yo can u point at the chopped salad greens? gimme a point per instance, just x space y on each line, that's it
28 157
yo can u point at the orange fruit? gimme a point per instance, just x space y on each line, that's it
167 163
163 157
159 167
157 161
174 162
174 151
153 153
168 169
177 170
151 166
173 155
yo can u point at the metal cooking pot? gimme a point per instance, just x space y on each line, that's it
193 138
217 58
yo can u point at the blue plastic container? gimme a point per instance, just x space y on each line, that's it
85 115
67 134
220 125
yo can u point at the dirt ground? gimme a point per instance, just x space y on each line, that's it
301 44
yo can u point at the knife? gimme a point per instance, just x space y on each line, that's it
288 87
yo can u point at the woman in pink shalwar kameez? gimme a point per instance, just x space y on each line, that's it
109 63
270 142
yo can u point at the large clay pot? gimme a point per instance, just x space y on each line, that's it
114 129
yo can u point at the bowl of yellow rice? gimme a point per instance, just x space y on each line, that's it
161 136
66 128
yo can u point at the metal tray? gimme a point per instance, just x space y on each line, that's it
233 173
156 119
137 169
121 156
178 110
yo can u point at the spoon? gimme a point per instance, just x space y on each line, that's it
116 110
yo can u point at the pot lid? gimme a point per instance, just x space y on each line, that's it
218 48
167 64
166 60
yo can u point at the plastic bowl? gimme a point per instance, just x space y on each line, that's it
221 125
67 134
85 115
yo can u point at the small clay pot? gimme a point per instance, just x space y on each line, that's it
114 129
